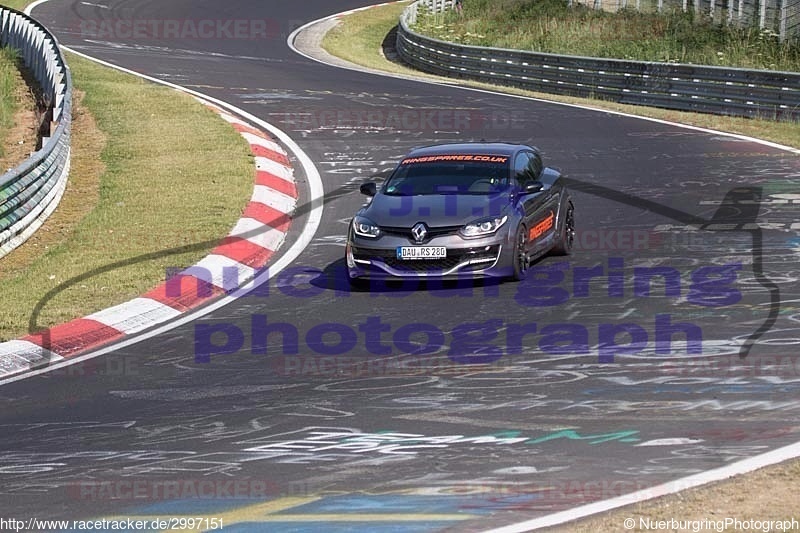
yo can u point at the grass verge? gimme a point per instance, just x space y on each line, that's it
770 493
20 114
153 170
10 83
552 26
358 39
19 5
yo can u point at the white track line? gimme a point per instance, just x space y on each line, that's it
716 474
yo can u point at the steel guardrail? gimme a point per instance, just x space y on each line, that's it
30 192
705 89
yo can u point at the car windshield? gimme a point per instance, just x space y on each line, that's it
419 176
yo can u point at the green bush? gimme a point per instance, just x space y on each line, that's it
554 27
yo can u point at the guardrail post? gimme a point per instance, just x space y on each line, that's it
784 16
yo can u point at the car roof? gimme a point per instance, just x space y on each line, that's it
483 148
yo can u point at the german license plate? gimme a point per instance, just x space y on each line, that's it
421 252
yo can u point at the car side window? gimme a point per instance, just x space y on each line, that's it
527 167
535 166
520 168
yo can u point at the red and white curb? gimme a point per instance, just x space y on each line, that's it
239 258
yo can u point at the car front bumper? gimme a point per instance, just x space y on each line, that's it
474 258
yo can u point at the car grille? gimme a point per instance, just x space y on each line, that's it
454 258
432 232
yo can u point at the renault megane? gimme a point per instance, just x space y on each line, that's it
457 211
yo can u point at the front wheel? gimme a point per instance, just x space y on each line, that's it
520 254
566 234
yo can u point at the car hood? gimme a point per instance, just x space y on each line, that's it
434 210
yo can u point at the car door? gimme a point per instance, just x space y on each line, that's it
539 208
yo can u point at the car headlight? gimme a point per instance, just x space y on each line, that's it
364 227
482 227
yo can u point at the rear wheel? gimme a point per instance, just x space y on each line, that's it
566 234
520 254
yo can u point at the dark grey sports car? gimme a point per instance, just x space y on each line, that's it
459 211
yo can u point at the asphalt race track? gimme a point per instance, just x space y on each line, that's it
524 399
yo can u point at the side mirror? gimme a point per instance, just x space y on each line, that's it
532 186
368 189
